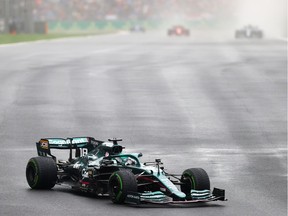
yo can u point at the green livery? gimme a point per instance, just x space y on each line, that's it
102 168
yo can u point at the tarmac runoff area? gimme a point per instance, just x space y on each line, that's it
220 105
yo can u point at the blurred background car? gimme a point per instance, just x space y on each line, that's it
178 31
137 28
249 31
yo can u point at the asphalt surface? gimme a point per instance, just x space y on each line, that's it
220 105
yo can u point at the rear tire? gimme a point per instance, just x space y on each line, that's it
120 183
41 173
196 179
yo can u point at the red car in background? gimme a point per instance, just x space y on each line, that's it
178 31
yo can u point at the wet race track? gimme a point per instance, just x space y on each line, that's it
216 105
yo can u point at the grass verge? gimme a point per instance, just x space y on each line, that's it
8 39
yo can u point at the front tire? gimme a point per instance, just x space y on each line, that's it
194 179
120 183
41 173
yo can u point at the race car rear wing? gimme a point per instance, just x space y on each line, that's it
45 145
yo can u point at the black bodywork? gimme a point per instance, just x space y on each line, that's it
101 168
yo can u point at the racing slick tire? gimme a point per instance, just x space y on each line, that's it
120 183
196 179
41 173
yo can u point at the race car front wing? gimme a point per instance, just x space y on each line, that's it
160 198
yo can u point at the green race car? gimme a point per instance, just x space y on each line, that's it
103 169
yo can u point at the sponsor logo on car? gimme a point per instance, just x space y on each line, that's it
44 144
131 196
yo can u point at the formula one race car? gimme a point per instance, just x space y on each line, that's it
178 31
102 168
137 28
249 31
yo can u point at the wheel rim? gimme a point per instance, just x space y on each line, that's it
116 188
32 176
189 184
